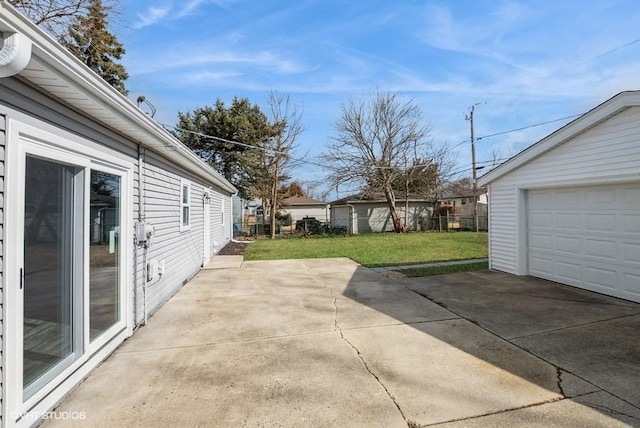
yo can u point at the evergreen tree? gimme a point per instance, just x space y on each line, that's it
90 40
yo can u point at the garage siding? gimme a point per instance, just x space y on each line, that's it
607 151
502 225
2 147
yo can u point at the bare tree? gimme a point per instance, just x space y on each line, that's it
373 141
55 16
442 165
273 162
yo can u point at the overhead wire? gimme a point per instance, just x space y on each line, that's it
528 127
326 166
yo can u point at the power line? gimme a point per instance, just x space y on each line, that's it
529 126
249 146
615 49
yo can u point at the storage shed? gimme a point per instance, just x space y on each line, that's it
368 212
104 215
567 209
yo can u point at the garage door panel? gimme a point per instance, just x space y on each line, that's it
569 197
601 278
601 222
568 245
541 242
541 266
542 219
568 221
629 198
587 237
630 279
543 197
601 249
569 271
630 224
631 253
598 198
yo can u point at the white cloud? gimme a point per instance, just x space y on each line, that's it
191 6
152 16
208 76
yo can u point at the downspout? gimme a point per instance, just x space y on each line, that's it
15 54
141 219
352 214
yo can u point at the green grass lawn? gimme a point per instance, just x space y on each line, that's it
380 249
441 270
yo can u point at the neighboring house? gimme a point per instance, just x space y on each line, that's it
460 203
567 209
301 206
369 212
104 215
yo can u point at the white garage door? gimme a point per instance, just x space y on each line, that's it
588 237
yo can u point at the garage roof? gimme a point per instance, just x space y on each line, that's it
599 114
54 70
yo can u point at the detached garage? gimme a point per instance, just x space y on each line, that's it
567 209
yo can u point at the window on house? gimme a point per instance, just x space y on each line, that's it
464 201
185 205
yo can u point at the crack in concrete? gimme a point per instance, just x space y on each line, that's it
588 302
553 330
497 412
337 328
609 410
559 374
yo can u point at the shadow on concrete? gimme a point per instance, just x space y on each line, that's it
489 335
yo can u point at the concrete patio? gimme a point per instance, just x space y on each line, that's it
330 343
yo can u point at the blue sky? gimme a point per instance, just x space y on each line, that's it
525 62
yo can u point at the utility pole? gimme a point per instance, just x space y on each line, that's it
469 117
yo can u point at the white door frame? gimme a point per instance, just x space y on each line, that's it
206 246
23 139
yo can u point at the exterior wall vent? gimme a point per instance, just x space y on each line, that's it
15 54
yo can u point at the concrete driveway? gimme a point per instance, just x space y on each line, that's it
329 343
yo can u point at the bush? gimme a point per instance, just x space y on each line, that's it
284 218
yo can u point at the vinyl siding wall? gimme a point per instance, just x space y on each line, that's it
181 251
610 151
320 212
2 146
375 217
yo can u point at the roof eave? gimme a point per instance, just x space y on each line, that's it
109 107
593 117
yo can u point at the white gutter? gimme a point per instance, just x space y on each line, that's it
15 54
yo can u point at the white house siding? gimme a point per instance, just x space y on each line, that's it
375 217
182 252
2 146
299 212
609 151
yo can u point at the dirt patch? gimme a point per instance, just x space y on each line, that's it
234 249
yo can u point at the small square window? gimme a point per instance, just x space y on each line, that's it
185 205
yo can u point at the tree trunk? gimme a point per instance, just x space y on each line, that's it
273 201
391 201
406 204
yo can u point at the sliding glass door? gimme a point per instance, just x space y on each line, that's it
68 218
104 252
52 261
